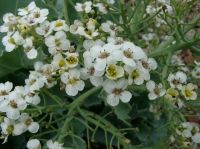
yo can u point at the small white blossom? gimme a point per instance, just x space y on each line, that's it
9 127
102 8
117 91
44 29
11 42
58 42
188 91
28 123
156 90
5 89
129 53
136 75
73 82
177 80
85 7
29 49
60 25
109 27
27 10
54 145
33 144
12 106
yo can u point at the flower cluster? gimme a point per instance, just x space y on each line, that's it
12 102
35 144
189 132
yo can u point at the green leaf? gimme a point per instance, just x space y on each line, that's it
122 112
16 60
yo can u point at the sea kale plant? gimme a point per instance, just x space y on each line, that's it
101 74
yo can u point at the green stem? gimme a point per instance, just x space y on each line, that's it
55 98
171 48
77 102
99 121
66 12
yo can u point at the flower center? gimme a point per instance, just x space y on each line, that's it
72 81
145 64
13 104
157 90
111 70
117 91
128 53
91 71
176 82
59 24
28 121
188 93
12 41
57 42
104 55
3 93
61 63
135 74
72 60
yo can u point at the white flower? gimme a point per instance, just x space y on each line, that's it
38 16
196 138
136 75
28 123
73 82
9 127
148 64
59 62
185 129
29 49
129 53
114 71
150 9
33 144
102 8
77 28
188 91
10 21
116 91
88 44
54 145
27 10
85 7
58 42
5 89
11 42
95 76
60 25
12 106
72 59
44 29
196 72
35 81
109 27
102 55
111 1
156 90
177 80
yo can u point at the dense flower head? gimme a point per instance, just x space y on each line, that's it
90 51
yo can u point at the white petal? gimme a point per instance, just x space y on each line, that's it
13 113
152 96
125 96
34 127
112 100
96 81
32 54
71 90
150 85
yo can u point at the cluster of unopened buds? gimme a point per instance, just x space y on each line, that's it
113 64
